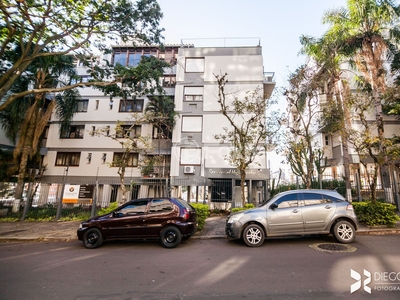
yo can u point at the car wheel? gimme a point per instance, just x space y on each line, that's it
344 232
92 238
170 237
253 235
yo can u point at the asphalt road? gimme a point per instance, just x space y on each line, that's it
202 269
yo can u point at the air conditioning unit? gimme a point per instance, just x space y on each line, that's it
188 170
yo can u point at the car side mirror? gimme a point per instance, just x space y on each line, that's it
273 206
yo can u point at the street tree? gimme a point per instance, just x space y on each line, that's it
25 119
134 147
251 129
369 34
303 153
325 53
59 27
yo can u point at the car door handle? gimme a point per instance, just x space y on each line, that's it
328 207
295 211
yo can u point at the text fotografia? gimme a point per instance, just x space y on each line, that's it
382 281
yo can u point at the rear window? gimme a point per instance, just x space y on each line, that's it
184 204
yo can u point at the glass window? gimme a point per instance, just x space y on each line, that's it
134 208
74 132
82 105
125 131
190 156
131 106
314 199
130 160
161 205
134 59
287 201
120 58
68 158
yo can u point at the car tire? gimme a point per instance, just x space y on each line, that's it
92 238
170 237
344 232
253 235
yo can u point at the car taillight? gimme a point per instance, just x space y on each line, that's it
186 214
349 207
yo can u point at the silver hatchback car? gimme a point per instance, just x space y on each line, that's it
295 212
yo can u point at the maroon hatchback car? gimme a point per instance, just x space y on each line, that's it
168 219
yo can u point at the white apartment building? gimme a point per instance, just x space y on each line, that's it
198 159
194 158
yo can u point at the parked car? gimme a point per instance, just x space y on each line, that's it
168 219
296 212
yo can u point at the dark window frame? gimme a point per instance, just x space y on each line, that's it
69 159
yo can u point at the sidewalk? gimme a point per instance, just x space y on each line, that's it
214 228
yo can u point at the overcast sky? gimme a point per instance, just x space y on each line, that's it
278 25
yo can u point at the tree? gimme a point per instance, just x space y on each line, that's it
368 32
304 108
160 112
81 28
250 129
25 119
134 146
325 54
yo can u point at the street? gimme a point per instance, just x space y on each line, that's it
202 269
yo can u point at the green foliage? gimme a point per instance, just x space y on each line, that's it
376 213
106 210
202 211
246 207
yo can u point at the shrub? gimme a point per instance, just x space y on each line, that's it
106 210
376 213
202 211
246 207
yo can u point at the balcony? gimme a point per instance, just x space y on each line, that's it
269 84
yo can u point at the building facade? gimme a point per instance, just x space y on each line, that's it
194 164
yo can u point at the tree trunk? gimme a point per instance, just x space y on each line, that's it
242 185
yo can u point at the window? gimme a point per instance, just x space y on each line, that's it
326 140
74 132
190 156
192 124
314 199
134 59
89 158
287 201
97 104
130 161
68 158
169 81
161 205
82 105
131 106
161 132
134 208
194 65
125 131
194 93
120 58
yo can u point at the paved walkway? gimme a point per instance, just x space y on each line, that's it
65 231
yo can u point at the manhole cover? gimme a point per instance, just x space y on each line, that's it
332 247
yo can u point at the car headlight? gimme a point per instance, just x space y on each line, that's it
235 218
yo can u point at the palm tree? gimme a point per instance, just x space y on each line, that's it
368 31
25 119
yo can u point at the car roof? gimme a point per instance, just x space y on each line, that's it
333 193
